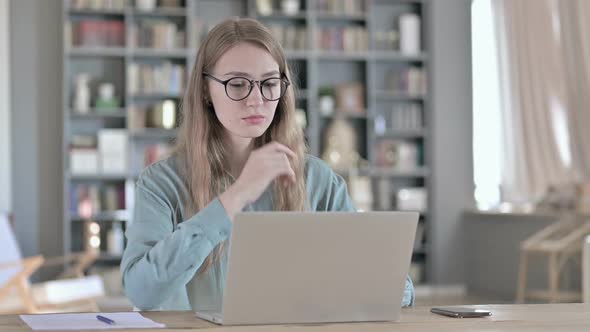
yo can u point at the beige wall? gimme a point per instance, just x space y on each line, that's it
5 181
36 125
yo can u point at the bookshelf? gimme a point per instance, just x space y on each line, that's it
328 43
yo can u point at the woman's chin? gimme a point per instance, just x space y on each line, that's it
254 131
251 132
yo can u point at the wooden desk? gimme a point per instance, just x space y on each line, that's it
539 317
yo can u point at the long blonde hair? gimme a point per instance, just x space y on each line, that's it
200 147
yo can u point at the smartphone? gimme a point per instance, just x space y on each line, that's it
461 312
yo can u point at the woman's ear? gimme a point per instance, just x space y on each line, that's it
206 94
208 102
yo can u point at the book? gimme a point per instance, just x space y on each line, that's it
347 39
402 155
409 81
158 34
350 97
163 78
113 151
98 33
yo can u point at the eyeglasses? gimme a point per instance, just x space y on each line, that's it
239 88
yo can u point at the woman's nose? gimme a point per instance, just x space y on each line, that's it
255 98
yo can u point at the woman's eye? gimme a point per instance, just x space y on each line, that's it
238 83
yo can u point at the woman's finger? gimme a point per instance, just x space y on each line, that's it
278 147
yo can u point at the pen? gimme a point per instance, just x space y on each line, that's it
105 319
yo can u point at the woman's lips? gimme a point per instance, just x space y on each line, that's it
254 120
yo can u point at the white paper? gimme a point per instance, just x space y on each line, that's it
88 321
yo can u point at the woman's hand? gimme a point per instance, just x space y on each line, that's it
264 165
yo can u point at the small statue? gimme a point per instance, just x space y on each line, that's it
341 151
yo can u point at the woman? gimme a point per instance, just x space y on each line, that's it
239 148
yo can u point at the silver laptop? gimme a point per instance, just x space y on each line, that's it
306 267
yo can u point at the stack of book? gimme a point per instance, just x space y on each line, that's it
113 151
157 34
98 4
409 81
401 155
291 37
96 198
348 39
83 155
402 117
104 154
164 78
162 115
406 117
96 33
340 7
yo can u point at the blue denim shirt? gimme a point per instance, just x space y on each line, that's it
165 248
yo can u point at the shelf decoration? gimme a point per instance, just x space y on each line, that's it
350 98
341 150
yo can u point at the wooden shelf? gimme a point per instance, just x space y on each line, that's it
341 55
397 56
98 177
99 51
106 216
419 133
347 115
149 133
317 68
419 172
336 17
161 12
96 12
400 97
281 17
302 94
159 53
297 54
108 259
157 96
97 113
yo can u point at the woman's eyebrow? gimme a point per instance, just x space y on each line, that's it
241 73
270 73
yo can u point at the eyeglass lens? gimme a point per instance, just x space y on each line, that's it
239 88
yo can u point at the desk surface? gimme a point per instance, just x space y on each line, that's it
538 318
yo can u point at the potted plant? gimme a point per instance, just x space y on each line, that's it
326 100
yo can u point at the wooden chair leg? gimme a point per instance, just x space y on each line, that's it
553 278
27 297
522 278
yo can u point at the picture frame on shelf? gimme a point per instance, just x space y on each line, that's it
402 155
350 98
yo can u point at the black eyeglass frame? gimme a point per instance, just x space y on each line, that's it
260 83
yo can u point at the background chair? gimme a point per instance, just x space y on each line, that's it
560 242
71 291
